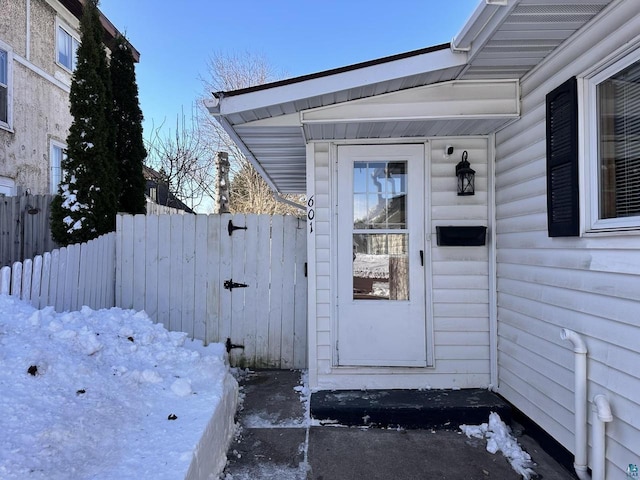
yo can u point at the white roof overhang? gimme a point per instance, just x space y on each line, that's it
346 84
469 87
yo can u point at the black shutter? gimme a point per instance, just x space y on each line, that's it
563 211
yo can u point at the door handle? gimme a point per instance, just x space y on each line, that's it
422 258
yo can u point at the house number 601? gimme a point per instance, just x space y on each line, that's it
311 213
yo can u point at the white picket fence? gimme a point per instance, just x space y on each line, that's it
175 267
65 278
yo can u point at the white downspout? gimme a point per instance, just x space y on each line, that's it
601 414
580 463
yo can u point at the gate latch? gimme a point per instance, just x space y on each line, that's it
229 346
230 284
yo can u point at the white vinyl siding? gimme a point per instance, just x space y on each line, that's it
589 284
323 265
460 275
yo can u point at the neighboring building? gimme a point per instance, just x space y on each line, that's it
157 191
38 39
544 96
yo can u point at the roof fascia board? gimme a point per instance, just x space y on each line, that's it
482 24
405 67
458 99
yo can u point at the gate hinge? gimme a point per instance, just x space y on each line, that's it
231 228
230 284
229 346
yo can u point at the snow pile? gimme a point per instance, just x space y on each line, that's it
105 394
499 439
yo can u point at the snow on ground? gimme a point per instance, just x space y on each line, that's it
499 439
101 394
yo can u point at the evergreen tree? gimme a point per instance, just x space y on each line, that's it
87 198
127 117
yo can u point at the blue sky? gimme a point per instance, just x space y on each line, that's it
176 39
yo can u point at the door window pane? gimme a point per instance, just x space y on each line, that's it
380 266
380 190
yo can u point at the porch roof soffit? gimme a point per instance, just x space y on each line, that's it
512 37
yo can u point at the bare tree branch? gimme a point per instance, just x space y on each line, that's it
249 192
186 156
183 160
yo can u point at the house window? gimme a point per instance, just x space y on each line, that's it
613 145
5 87
7 186
619 143
67 47
56 156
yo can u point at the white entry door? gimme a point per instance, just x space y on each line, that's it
381 276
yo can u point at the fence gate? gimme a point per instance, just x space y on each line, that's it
234 279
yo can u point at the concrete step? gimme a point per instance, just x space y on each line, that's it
410 409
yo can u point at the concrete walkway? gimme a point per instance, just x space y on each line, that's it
276 440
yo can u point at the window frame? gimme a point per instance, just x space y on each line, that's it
54 145
590 147
74 37
8 125
9 185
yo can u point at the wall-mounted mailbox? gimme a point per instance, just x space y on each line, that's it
465 236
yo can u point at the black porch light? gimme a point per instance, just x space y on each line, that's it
466 176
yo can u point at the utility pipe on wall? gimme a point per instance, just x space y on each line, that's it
580 463
601 414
